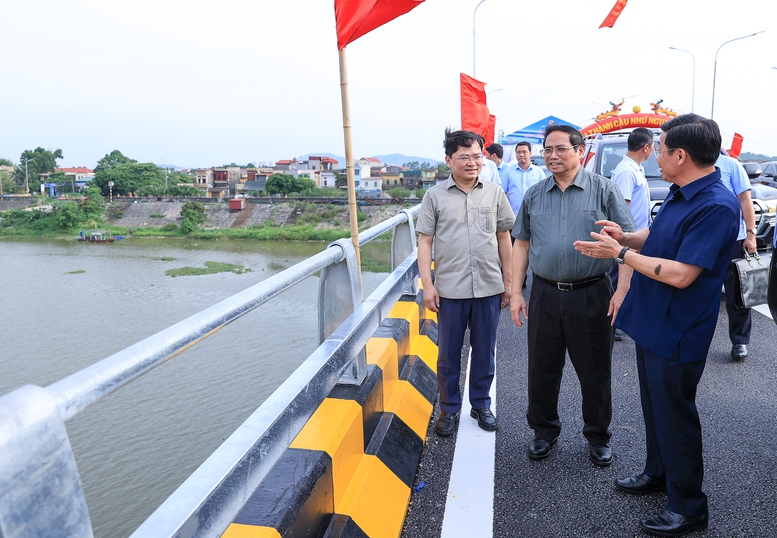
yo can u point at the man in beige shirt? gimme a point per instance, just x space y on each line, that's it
469 221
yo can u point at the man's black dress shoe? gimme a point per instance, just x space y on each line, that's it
540 448
640 484
486 419
667 523
446 424
601 455
738 352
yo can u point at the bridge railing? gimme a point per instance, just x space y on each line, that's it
40 489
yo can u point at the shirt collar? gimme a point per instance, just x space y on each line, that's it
582 180
451 183
694 187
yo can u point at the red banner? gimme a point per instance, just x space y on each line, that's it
475 116
615 12
358 17
736 146
625 121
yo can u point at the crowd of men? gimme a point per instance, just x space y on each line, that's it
599 264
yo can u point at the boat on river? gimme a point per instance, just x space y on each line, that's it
96 237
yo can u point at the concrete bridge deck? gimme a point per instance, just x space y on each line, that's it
477 484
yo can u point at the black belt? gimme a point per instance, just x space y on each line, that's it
571 286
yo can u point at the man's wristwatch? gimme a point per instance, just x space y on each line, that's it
619 259
751 231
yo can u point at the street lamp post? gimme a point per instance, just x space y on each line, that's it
26 177
473 36
715 69
693 82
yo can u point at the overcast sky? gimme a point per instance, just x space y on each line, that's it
203 83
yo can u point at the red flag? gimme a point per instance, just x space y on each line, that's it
357 17
736 146
614 14
474 112
489 136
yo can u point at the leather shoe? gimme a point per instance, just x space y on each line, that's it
640 484
486 419
601 455
667 523
540 448
618 335
446 424
738 352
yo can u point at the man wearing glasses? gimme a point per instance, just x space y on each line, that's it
671 313
469 220
572 305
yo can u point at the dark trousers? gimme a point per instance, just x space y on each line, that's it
577 322
739 319
672 428
482 317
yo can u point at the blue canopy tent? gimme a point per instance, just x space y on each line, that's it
534 132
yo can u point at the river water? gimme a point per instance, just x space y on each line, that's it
65 305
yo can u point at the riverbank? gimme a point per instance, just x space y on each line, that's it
283 221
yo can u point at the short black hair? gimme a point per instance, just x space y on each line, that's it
523 143
575 137
461 139
496 149
640 137
697 135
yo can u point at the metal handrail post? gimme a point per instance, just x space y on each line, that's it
403 242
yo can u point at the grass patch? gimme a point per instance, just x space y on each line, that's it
209 269
80 271
166 259
156 216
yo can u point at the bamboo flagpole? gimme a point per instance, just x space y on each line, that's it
352 209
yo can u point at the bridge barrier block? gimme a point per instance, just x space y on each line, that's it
416 372
343 527
397 446
382 352
337 428
377 499
369 395
295 499
399 329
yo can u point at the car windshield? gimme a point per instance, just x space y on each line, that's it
612 154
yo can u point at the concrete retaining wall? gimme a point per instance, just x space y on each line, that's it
349 471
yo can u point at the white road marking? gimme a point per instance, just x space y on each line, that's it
469 510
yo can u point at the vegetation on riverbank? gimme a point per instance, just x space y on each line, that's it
209 269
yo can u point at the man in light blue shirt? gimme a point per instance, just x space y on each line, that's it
518 178
734 177
629 176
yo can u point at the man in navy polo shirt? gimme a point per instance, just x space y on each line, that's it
671 313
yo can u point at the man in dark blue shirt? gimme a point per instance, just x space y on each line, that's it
671 312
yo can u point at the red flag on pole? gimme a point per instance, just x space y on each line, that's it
489 136
475 116
614 14
736 146
358 17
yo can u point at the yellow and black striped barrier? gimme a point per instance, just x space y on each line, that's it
350 470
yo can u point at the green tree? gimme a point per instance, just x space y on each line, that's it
279 184
412 165
193 214
33 163
442 168
5 162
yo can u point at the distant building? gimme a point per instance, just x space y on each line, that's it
77 178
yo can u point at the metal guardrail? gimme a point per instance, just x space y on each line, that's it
40 490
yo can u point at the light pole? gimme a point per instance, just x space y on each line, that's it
693 83
473 36
26 177
715 69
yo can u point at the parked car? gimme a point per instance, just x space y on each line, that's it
603 152
768 174
539 160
